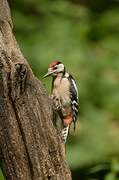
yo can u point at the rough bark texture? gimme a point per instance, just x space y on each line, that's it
30 147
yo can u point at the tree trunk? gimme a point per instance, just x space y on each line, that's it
30 146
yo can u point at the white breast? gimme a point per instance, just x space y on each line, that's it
61 90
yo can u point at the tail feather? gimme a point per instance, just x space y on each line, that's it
64 133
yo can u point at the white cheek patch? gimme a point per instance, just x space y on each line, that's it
60 67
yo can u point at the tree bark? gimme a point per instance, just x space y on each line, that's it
30 146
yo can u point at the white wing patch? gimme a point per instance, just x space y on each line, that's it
74 100
74 84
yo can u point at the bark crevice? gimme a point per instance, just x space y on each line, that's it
30 145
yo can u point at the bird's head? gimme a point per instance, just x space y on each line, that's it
55 68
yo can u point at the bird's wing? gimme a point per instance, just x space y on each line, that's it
74 98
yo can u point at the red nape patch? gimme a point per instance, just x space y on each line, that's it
54 63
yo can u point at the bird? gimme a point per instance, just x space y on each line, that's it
64 93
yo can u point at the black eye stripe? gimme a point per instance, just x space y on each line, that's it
55 67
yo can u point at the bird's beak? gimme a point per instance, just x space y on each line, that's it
48 74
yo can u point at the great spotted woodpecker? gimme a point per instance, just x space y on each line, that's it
64 95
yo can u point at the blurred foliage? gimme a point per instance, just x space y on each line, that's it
84 35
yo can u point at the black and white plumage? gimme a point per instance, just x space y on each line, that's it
74 98
64 95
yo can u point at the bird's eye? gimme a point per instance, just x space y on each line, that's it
55 67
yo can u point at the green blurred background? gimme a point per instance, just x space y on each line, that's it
84 35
